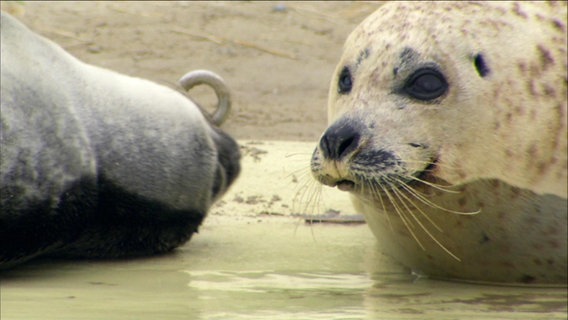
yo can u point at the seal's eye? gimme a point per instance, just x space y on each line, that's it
426 84
345 82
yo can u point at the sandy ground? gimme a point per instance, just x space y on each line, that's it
277 57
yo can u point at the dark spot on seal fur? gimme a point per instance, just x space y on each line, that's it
546 59
364 54
484 239
550 262
480 65
558 25
518 11
408 55
527 279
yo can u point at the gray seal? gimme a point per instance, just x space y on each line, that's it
96 164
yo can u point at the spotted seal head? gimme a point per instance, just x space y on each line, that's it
447 123
97 164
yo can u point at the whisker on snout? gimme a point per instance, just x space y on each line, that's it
429 203
401 203
308 194
400 194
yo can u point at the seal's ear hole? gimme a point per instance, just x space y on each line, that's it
345 81
480 65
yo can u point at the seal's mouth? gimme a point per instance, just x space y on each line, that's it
418 178
427 174
345 185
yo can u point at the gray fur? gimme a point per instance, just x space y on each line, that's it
64 122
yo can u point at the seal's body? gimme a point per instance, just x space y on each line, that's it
99 164
448 125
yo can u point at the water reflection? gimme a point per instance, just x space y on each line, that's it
433 299
272 295
249 270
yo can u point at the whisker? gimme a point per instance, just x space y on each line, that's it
396 191
377 194
310 198
418 208
399 193
306 190
403 218
430 203
307 198
431 184
300 172
434 185
295 154
427 163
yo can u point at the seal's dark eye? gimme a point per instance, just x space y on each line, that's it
345 82
426 84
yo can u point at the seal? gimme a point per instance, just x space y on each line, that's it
96 164
448 124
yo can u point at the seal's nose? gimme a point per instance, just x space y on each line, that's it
339 140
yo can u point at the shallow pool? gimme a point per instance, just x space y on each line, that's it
253 260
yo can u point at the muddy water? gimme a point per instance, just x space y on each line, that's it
252 260
250 269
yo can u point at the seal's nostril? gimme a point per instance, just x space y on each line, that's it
345 145
339 140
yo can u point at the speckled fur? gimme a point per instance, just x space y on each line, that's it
499 139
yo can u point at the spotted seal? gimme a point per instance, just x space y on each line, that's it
447 123
97 164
